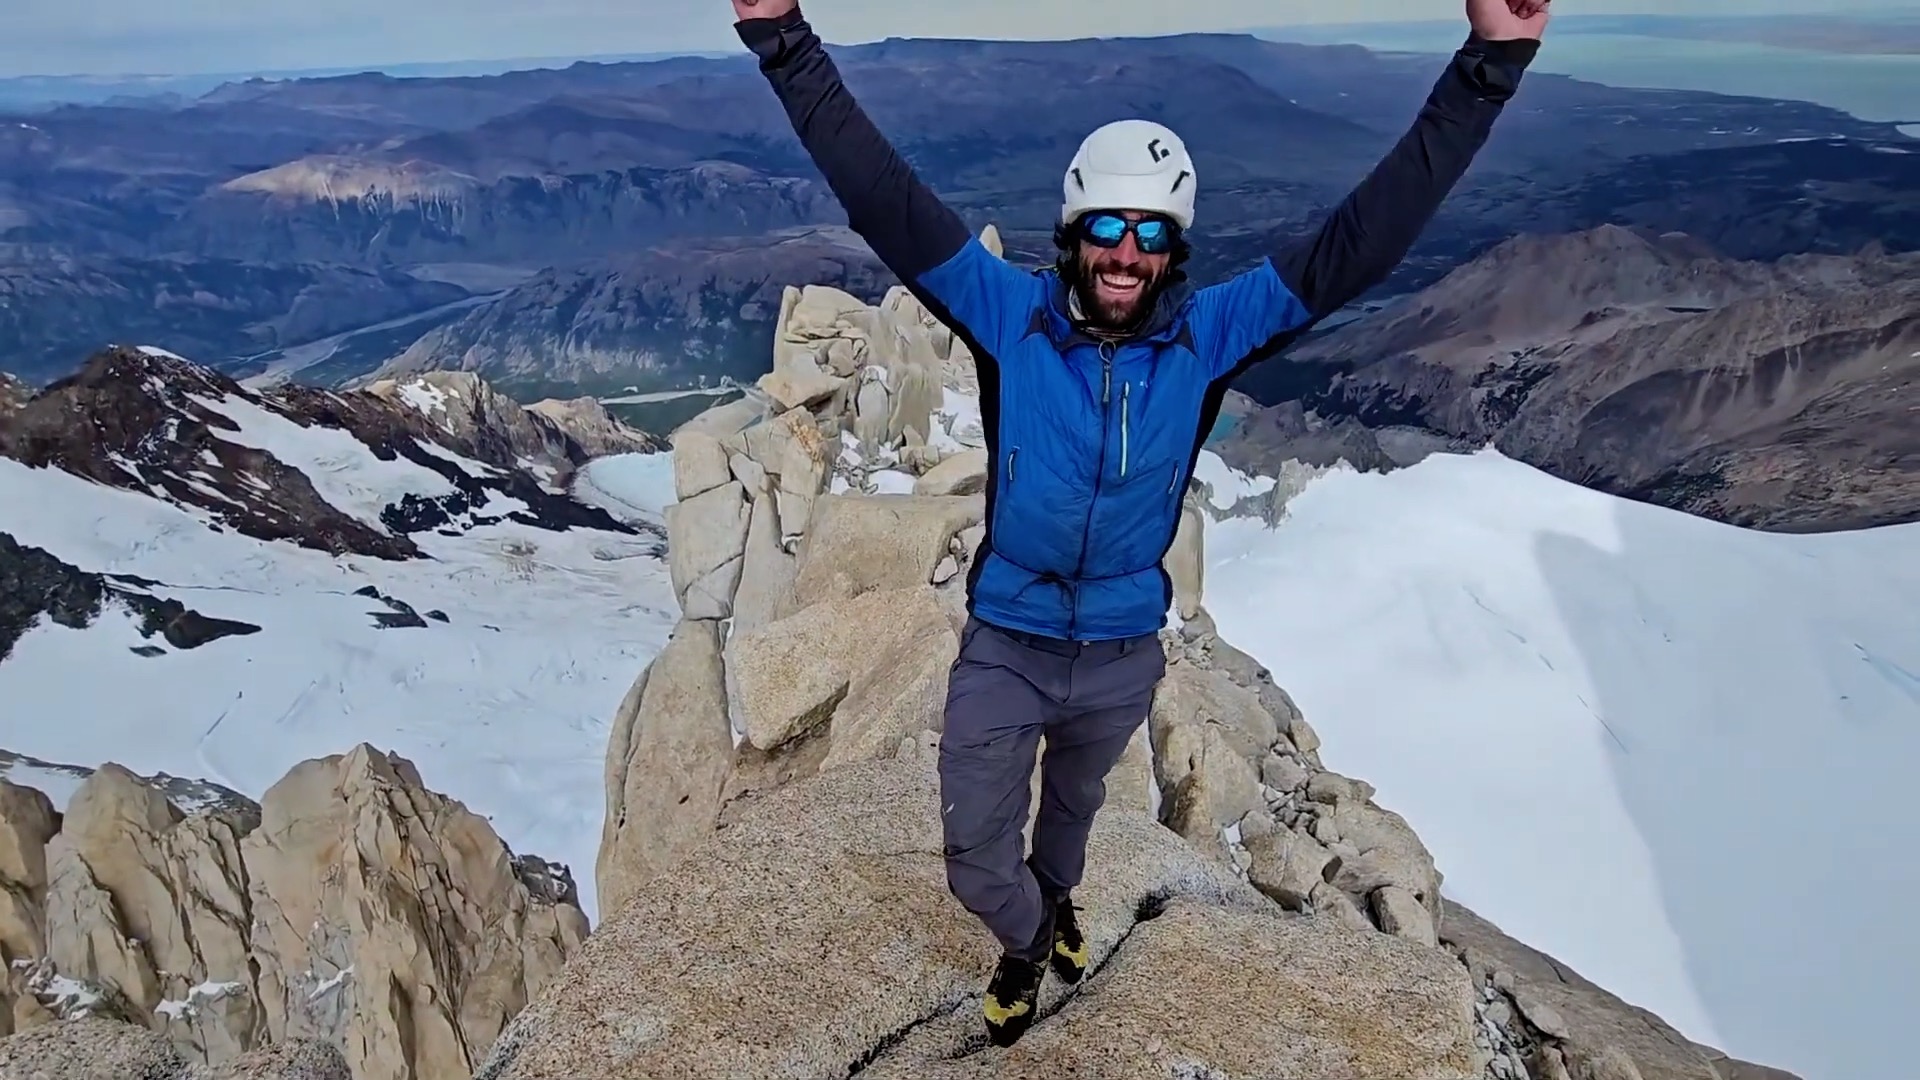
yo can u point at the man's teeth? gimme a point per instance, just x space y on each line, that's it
1119 281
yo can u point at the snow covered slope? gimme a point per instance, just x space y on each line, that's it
495 659
1678 756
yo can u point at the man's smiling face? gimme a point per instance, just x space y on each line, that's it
1117 283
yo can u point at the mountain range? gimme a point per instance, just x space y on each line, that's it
1775 394
653 179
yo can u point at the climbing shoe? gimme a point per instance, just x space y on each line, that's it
1012 998
1069 954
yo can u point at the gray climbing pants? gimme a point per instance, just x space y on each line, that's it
1006 691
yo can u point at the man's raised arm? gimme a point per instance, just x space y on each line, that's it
1372 229
1365 237
918 236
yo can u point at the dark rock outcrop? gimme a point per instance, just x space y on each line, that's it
152 422
13 394
34 583
496 429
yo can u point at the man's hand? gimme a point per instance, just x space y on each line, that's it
762 9
1495 20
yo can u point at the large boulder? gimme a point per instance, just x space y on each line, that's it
857 543
707 540
788 677
89 1049
667 762
391 920
700 464
1186 559
964 473
1200 990
817 933
149 904
27 822
99 1049
767 569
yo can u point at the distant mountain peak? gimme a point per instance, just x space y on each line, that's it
330 178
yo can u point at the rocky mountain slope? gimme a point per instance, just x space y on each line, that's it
653 320
54 307
147 420
1778 395
770 797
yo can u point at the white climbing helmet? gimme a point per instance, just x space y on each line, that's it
1131 165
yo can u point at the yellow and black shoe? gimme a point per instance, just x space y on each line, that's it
1012 998
1069 954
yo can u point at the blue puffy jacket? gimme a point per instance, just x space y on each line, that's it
1091 444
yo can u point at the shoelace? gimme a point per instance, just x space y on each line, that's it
1064 920
1014 979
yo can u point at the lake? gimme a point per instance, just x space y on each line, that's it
1870 86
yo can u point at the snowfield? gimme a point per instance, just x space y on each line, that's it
505 706
1676 755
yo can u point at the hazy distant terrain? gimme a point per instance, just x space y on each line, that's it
35 92
1853 33
612 224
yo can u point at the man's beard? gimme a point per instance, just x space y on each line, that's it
1111 314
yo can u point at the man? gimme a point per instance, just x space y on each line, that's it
1099 378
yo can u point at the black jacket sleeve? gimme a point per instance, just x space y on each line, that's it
1368 234
903 221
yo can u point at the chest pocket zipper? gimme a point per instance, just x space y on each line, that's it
1126 411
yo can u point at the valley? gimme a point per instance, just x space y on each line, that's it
612 224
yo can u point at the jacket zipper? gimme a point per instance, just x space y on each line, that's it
1126 411
1086 531
1012 456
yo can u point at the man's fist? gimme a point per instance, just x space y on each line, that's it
1497 20
763 9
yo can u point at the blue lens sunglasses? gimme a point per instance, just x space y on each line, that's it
1153 235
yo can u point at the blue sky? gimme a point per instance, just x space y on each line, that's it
48 37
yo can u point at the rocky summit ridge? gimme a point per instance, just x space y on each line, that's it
777 906
770 879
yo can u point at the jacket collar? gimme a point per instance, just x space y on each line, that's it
1162 323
